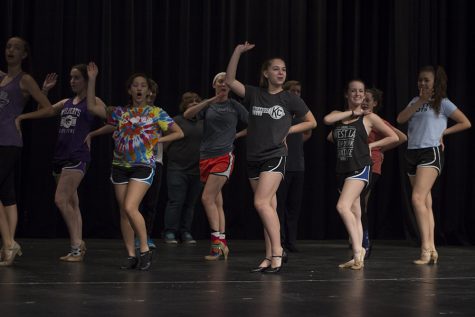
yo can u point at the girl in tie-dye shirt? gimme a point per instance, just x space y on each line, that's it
138 130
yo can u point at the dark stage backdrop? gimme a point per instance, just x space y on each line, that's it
183 44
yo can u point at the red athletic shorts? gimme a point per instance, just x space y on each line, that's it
220 165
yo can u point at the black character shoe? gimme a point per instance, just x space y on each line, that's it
145 261
130 263
261 269
273 270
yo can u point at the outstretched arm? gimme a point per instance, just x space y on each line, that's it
236 86
192 111
39 114
93 104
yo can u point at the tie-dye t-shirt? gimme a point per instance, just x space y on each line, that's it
138 130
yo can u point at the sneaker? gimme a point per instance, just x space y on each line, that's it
187 238
151 244
170 238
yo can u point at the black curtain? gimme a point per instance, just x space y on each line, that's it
182 44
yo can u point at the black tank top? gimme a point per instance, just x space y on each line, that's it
352 151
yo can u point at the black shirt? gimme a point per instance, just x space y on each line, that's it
270 118
352 150
184 154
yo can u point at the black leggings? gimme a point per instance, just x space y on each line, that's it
9 155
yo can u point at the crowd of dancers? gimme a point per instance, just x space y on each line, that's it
199 145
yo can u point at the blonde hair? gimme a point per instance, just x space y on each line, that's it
217 76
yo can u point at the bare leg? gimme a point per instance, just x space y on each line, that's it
12 218
422 202
68 203
125 227
264 202
7 240
213 201
267 242
135 192
350 211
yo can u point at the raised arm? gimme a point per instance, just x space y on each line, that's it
50 81
192 111
45 112
308 123
93 104
236 86
174 133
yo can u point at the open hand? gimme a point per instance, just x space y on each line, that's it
50 81
92 70
245 47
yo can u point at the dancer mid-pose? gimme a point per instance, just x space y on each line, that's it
353 167
15 89
427 115
138 130
271 110
221 115
72 155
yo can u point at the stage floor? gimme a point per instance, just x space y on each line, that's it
181 283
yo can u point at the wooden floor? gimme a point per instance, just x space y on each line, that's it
181 283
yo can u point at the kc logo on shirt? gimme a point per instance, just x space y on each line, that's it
276 112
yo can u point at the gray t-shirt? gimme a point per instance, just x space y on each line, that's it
220 121
425 127
270 118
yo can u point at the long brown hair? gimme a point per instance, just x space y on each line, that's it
440 85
